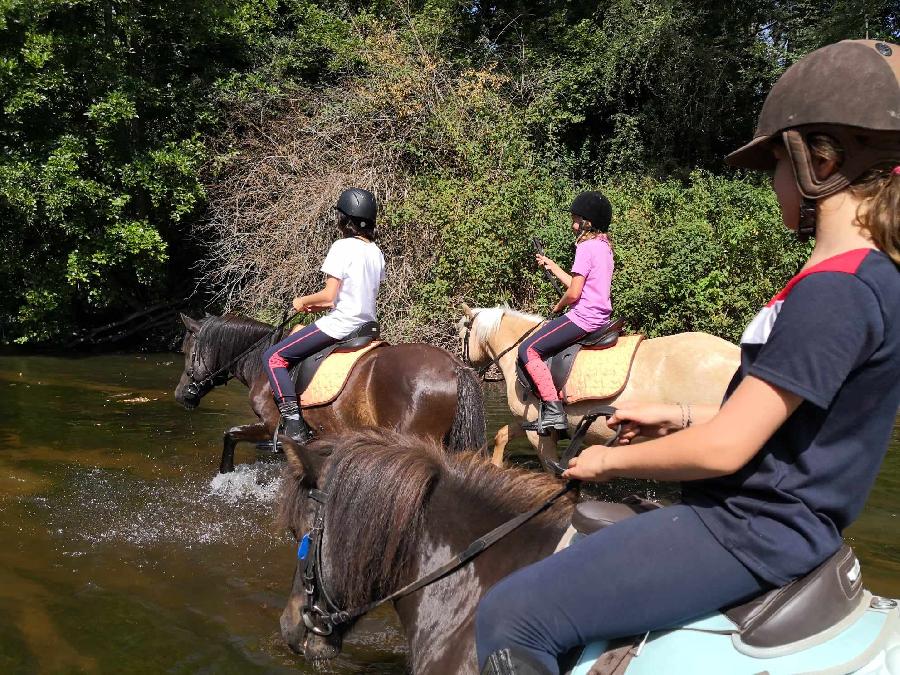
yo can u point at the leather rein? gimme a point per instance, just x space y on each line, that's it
321 614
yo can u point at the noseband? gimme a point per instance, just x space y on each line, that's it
197 389
321 614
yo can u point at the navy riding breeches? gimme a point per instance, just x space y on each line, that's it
290 351
549 339
645 573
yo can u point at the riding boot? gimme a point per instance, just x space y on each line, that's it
512 662
552 416
295 427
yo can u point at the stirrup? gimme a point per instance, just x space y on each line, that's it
536 427
512 662
541 426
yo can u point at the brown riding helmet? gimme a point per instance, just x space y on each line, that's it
849 90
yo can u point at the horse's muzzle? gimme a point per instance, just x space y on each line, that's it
306 643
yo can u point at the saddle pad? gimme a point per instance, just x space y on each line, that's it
601 373
331 376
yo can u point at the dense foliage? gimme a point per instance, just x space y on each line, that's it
122 122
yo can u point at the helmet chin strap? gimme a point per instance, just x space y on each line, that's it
806 227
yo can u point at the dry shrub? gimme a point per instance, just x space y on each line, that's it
283 164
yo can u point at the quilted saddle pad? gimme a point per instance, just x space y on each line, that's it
332 375
601 373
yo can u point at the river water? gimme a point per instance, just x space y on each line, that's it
122 550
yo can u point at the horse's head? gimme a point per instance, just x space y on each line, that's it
474 353
217 348
188 393
355 506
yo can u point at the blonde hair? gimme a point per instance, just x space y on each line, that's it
591 234
877 189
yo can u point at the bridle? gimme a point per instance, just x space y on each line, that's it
321 614
197 389
492 360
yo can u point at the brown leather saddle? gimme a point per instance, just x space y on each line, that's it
561 364
803 608
304 371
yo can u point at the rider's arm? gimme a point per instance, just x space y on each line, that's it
573 292
555 269
721 446
324 299
652 420
561 274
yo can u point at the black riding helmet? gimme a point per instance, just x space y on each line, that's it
595 207
358 204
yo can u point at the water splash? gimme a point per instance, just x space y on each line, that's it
258 482
113 506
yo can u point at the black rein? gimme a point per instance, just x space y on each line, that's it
481 370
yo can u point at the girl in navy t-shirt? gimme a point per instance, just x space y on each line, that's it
773 476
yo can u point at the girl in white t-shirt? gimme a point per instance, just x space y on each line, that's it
355 269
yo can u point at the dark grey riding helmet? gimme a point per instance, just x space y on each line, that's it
359 204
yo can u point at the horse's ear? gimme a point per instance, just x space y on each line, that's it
468 311
191 324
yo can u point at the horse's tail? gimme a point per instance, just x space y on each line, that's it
469 429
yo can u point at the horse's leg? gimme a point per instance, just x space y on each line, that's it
502 438
245 432
546 448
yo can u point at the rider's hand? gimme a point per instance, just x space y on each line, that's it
545 262
299 305
590 465
646 419
320 307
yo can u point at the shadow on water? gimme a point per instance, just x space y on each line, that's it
124 551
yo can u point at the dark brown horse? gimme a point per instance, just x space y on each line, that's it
397 508
412 388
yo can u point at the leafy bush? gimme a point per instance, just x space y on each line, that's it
702 255
475 122
465 187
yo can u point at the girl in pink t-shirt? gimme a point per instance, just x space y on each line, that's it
587 297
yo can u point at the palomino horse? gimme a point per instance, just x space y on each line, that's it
412 388
683 368
395 508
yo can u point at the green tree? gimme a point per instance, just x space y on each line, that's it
107 106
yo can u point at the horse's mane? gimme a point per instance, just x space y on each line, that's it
224 337
487 321
379 484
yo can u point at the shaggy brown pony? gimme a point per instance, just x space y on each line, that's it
397 508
